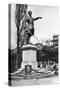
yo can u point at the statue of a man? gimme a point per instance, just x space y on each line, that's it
28 25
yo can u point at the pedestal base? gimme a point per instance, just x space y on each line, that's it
29 56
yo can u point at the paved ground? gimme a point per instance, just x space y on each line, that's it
41 81
44 77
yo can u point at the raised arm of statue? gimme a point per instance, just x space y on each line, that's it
34 19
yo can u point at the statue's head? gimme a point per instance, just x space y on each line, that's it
30 12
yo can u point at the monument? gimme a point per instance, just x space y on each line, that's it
29 51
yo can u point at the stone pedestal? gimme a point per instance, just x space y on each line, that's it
29 56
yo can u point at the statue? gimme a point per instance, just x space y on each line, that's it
28 26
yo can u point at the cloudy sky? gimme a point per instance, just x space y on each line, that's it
45 28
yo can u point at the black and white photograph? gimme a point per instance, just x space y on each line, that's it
33 45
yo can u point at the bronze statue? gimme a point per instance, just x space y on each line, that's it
28 26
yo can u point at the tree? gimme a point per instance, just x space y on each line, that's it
18 16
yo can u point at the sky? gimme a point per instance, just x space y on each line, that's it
44 28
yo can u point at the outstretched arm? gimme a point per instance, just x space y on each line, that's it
37 18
